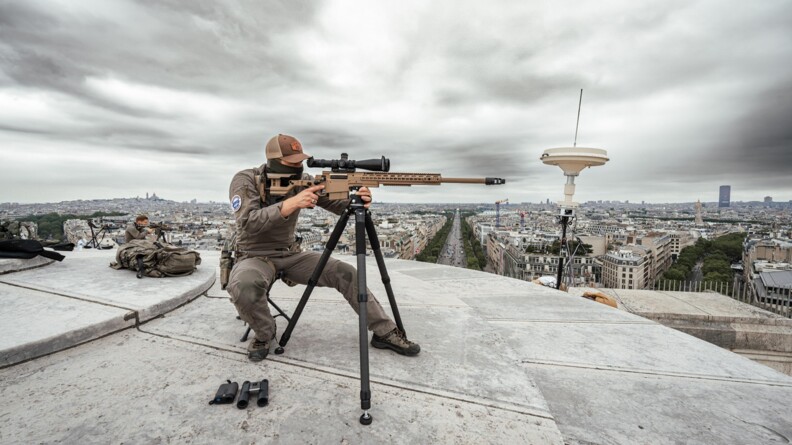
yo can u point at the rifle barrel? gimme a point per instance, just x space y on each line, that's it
486 181
423 179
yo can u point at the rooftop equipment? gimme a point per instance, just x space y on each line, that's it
572 160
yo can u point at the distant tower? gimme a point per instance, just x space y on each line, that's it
497 210
768 201
724 198
699 219
522 221
146 195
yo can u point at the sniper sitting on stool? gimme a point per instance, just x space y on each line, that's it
265 233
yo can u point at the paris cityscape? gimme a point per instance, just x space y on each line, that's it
623 245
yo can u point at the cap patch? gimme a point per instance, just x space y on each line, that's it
295 146
236 203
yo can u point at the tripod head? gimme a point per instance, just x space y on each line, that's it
102 225
346 165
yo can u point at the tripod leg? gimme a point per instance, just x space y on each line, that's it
280 311
331 244
279 276
93 239
360 251
561 250
372 236
245 337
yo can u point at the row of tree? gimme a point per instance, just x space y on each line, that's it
50 225
716 255
476 259
692 218
433 248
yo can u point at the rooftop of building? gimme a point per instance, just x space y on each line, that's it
777 278
94 354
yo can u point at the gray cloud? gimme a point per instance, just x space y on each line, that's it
685 96
763 139
329 139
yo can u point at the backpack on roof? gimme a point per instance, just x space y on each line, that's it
156 259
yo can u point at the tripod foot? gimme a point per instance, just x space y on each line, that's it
366 418
279 350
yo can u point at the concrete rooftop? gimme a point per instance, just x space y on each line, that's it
502 361
739 327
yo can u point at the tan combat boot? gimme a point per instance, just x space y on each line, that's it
258 350
397 341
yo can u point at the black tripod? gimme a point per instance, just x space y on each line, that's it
363 226
563 252
95 241
161 234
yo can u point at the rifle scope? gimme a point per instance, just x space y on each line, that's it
346 165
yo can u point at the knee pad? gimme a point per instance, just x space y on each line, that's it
346 272
250 287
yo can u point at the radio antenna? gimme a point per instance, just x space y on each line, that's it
572 161
578 117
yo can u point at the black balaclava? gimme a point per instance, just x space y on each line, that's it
275 166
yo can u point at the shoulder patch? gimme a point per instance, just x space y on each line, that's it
236 203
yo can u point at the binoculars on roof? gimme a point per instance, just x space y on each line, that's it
228 392
261 388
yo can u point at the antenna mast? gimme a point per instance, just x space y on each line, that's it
578 117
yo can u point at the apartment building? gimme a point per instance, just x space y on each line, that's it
660 246
515 262
495 253
771 250
680 240
627 268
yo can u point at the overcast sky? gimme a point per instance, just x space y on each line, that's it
115 98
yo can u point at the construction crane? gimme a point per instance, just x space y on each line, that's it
497 211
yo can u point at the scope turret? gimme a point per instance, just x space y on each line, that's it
344 164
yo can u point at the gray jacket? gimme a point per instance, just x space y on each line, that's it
132 232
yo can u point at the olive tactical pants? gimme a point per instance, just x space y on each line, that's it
251 277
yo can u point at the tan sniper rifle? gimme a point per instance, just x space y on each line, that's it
343 177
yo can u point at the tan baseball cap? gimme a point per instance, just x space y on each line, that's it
285 147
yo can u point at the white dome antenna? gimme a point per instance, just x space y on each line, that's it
572 160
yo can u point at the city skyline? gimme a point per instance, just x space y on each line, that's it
116 98
711 204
